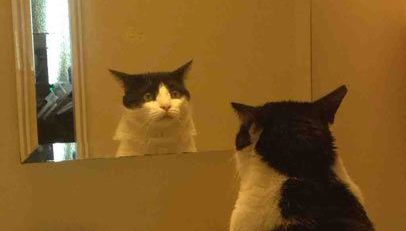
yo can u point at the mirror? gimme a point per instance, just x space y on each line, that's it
134 78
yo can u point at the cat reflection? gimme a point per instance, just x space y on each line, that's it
157 115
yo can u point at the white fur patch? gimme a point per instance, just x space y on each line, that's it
257 206
152 129
153 111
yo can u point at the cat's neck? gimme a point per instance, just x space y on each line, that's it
138 138
250 166
134 126
254 171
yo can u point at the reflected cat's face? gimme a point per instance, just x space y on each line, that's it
159 96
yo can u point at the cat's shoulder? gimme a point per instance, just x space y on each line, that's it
299 195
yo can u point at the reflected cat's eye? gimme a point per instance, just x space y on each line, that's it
148 97
175 94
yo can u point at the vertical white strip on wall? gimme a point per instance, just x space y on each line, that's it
25 77
79 93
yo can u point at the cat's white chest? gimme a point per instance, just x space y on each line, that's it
257 206
137 139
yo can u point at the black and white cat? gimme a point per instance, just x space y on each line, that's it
157 117
291 177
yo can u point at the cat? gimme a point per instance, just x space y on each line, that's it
291 178
157 116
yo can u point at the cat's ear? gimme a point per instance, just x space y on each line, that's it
329 104
246 113
182 71
123 78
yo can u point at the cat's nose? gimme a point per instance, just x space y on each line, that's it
165 107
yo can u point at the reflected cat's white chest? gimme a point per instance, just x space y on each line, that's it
136 139
257 206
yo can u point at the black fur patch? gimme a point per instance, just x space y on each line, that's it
137 85
297 142
243 138
294 140
322 205
247 116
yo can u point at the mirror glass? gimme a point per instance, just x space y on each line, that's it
150 77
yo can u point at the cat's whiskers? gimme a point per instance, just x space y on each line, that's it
154 115
176 115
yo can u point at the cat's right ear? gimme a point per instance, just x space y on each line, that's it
121 77
329 104
182 71
246 113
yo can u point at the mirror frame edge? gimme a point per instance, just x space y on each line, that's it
25 77
78 73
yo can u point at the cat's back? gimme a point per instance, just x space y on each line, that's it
271 201
321 205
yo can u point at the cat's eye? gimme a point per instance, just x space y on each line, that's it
175 94
148 97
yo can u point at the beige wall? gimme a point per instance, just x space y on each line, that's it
243 51
363 44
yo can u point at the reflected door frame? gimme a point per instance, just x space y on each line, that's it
78 70
25 78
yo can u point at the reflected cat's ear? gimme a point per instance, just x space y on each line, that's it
123 78
246 113
329 104
183 70
120 76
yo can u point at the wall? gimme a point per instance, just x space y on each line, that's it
363 44
242 50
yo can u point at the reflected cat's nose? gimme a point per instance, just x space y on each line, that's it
166 107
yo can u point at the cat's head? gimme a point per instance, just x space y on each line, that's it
157 96
292 137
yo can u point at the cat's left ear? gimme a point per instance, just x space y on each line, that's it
246 113
329 104
182 71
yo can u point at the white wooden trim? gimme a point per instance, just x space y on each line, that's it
79 93
25 77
